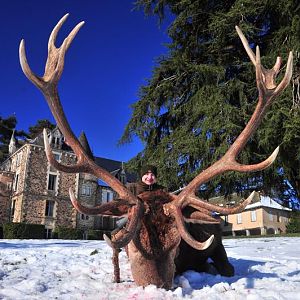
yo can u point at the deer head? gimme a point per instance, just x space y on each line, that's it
156 223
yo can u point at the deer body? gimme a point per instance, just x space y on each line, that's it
156 243
156 220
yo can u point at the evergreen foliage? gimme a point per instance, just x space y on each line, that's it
36 129
67 233
97 234
7 126
23 231
294 224
203 92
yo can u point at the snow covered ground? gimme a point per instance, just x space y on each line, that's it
266 268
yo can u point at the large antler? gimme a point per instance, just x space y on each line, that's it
48 86
267 91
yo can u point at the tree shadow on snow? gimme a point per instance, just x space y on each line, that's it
26 244
192 280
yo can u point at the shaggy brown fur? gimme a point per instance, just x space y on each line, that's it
155 246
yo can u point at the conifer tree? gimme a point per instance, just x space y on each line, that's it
36 129
7 126
203 92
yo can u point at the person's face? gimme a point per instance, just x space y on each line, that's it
149 178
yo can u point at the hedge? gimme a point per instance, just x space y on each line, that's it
67 233
23 231
97 234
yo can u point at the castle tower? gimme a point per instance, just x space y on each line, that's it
85 144
12 147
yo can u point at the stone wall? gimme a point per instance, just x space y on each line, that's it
17 217
5 195
30 191
88 200
37 193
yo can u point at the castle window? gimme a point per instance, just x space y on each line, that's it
239 218
52 182
253 215
13 208
107 196
57 156
86 190
16 182
49 208
84 217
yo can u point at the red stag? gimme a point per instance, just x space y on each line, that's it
156 223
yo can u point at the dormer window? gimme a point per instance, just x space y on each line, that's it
57 139
123 178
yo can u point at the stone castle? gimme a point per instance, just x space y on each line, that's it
37 193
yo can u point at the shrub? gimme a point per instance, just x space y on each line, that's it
294 224
23 231
97 234
1 232
67 233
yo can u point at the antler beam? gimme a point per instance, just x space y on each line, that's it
267 91
48 86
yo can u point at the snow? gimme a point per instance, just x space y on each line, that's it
267 202
266 268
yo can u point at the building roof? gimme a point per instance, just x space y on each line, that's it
266 201
232 199
257 201
114 167
85 144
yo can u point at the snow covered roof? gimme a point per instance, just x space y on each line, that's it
266 201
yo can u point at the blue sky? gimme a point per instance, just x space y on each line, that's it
110 58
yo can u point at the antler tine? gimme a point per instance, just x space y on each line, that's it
68 39
111 208
256 167
48 86
174 209
200 204
268 90
287 77
131 229
198 217
259 74
77 168
36 80
53 35
55 61
177 214
246 45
